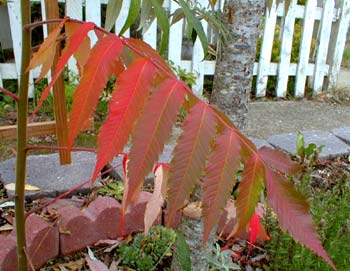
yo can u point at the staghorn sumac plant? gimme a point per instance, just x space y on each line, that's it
144 105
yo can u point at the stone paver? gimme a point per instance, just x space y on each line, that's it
332 146
343 134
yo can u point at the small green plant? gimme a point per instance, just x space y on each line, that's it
145 253
112 188
307 154
221 260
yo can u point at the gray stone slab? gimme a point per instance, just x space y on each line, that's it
343 134
333 146
45 172
260 142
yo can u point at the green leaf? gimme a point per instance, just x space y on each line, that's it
163 23
300 145
177 16
113 10
134 11
182 252
197 26
147 15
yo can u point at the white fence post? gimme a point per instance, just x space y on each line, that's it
123 15
338 38
13 8
266 49
286 49
322 48
305 46
175 42
93 14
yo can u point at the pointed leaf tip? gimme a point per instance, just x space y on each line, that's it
125 106
99 67
190 155
249 191
293 212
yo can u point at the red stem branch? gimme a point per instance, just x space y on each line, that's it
9 93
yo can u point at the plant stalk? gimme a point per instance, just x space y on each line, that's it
21 138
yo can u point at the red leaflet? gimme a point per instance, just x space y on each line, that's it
190 154
46 53
249 191
151 132
73 44
156 201
125 106
254 226
138 45
220 178
293 212
279 160
100 66
83 52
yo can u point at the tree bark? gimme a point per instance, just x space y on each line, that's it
192 229
234 69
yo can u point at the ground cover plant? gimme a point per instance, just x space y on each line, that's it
144 105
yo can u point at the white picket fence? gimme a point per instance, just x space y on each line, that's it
331 18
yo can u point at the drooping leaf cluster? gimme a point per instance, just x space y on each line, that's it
143 109
149 10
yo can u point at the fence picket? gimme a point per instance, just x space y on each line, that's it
175 43
305 47
266 49
74 10
322 49
332 34
286 49
123 15
338 39
93 14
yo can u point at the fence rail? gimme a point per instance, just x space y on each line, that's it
324 22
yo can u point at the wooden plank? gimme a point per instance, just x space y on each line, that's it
286 49
35 129
266 50
93 14
58 91
175 38
337 45
323 43
305 47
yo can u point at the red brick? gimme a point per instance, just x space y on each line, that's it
76 230
42 244
107 212
42 240
134 216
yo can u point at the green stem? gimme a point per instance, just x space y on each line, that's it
21 138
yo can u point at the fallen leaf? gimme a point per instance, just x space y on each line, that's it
27 187
193 210
95 265
6 227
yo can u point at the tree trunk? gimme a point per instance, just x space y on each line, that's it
192 229
234 69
